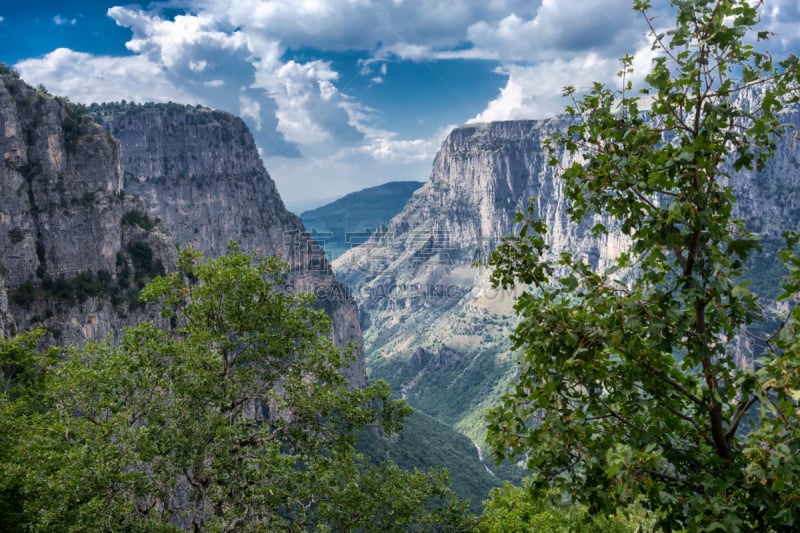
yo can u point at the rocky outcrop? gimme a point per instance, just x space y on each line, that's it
7 325
61 187
61 211
416 285
86 219
200 174
199 171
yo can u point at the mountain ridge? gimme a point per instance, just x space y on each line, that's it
433 325
348 221
88 219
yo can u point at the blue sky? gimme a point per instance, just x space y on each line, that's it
340 94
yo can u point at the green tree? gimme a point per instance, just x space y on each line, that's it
22 371
512 509
237 419
629 384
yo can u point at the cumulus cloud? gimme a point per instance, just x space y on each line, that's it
360 24
385 146
558 29
187 43
250 108
306 106
239 56
87 78
535 91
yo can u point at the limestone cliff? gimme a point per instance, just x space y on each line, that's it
86 219
61 209
199 172
433 326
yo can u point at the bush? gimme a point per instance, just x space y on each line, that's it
134 217
23 295
75 124
8 71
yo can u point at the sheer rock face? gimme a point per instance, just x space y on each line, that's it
770 200
482 175
59 193
67 183
415 284
199 172
61 206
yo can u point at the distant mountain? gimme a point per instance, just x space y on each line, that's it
348 221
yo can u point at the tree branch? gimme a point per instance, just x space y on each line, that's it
677 385
741 410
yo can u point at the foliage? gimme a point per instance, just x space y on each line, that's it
5 70
629 386
469 378
238 419
424 442
518 509
23 295
144 264
22 369
75 124
134 217
85 284
106 112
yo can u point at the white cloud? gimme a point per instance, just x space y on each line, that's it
360 24
535 91
233 56
306 105
560 29
250 108
87 78
61 21
198 66
178 43
384 146
311 110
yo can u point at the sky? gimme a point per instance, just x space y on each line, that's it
340 94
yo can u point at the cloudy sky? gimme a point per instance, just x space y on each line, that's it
339 94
